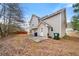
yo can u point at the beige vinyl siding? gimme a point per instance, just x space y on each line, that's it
55 23
34 22
44 30
63 24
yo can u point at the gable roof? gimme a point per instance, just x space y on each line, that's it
42 22
35 16
50 15
53 14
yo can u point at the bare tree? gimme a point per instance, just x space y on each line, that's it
12 14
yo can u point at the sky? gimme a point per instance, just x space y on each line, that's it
43 9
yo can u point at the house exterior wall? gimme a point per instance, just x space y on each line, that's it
42 29
51 33
63 24
33 31
55 22
58 22
34 22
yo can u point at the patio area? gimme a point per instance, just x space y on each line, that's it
36 38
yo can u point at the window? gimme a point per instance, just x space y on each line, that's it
32 24
51 28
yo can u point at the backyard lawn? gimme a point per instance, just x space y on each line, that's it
21 45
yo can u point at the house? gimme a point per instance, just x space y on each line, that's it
48 25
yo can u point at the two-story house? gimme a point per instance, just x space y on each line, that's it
48 25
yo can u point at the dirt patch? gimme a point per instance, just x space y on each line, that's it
22 46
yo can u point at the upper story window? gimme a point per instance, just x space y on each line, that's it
32 24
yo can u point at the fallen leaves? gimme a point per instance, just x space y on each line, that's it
21 45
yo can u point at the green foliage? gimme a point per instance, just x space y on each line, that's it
75 18
76 7
75 23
